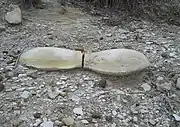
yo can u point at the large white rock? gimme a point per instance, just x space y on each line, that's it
14 17
51 58
116 61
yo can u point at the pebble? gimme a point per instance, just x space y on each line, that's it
166 86
102 83
14 17
53 95
133 110
63 77
84 121
96 115
152 122
37 123
2 28
113 125
135 119
108 35
47 123
37 115
78 111
109 119
75 98
25 94
146 87
22 75
178 83
58 123
114 112
69 121
120 116
177 117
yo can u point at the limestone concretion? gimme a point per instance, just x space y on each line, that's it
51 58
114 61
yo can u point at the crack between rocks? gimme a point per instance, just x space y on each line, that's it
82 57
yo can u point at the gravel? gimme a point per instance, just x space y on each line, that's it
99 100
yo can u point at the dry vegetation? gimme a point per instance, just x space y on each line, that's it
154 10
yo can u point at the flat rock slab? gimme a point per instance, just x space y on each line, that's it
116 61
51 58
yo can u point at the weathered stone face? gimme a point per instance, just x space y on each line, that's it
116 61
51 58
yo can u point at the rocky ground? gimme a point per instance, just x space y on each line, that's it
77 98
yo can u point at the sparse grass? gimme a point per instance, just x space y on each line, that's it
155 10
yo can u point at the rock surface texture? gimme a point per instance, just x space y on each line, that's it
116 61
51 58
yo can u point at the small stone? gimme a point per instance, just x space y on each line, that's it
120 116
108 35
63 94
2 28
102 83
14 17
69 121
113 125
37 115
60 116
149 42
177 118
75 98
84 121
159 78
109 119
63 77
143 110
146 87
58 123
78 111
78 124
114 112
123 31
166 86
55 93
152 122
58 83
133 110
101 38
37 123
96 115
25 94
135 119
178 83
165 55
47 123
22 75
1 86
